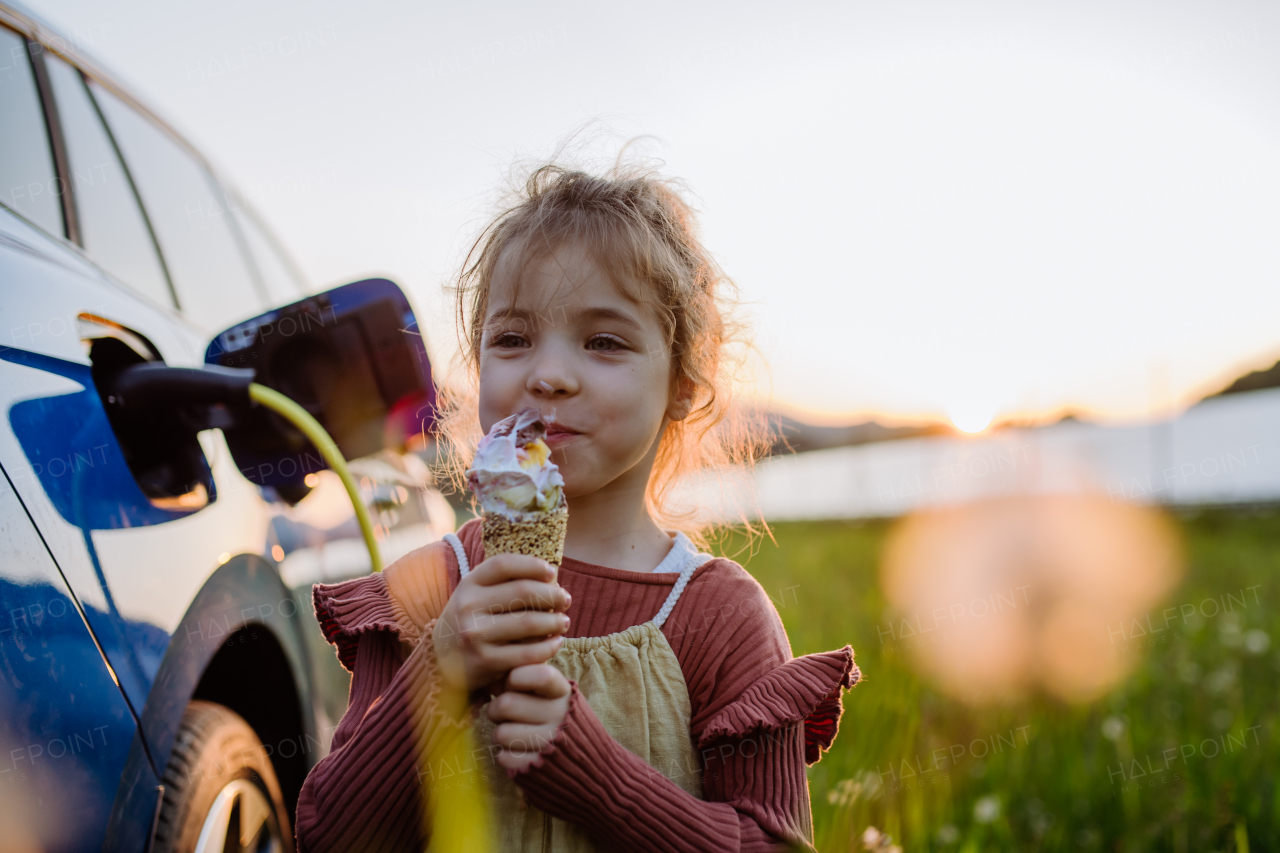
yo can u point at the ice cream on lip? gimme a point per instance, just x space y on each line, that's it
513 475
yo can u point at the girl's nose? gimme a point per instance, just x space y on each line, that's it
549 384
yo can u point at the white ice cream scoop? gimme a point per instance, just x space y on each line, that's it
513 474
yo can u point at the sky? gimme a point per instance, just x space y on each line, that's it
930 209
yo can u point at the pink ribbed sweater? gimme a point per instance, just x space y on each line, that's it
758 717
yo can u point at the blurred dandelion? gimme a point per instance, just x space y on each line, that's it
1229 633
1112 727
1189 671
948 834
877 841
1257 641
32 821
1006 595
1220 680
1041 820
865 785
987 809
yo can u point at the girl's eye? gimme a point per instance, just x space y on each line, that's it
507 340
605 343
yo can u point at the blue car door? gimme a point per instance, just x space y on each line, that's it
66 732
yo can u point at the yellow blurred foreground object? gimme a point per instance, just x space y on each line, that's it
999 597
457 814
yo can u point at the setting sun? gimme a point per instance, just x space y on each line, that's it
970 418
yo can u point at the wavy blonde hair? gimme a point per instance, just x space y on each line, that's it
637 226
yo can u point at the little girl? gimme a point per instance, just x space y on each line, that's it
642 695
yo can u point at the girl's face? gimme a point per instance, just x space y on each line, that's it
571 344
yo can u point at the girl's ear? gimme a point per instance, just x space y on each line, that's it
681 399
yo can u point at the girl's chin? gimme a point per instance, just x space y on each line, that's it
578 480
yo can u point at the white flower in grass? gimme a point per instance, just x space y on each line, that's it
1189 671
1112 727
986 809
878 842
1257 641
1220 680
865 785
1230 631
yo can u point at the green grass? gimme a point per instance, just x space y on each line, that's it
1059 787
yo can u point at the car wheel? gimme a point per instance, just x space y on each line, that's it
220 791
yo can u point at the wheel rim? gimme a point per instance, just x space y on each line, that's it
241 820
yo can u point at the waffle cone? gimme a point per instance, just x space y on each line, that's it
542 538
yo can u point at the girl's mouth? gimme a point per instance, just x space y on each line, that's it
559 434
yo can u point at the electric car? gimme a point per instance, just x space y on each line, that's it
163 684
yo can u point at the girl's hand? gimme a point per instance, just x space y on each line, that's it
528 713
506 613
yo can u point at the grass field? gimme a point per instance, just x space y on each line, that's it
1182 755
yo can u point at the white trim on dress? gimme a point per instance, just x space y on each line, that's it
684 557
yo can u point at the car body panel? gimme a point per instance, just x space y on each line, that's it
119 610
65 729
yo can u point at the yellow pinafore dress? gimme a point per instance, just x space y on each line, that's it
633 682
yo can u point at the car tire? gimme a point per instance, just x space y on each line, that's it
220 791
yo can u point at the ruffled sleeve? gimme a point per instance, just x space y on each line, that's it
402 599
805 689
351 608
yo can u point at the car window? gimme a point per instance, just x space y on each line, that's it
112 228
282 283
28 180
190 216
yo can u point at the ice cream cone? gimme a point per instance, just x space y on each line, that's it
542 537
520 490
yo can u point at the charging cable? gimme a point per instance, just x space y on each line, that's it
316 434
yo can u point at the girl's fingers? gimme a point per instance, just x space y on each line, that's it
507 567
519 595
525 708
522 738
508 656
511 761
512 627
540 680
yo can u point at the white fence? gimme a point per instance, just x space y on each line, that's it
1221 451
